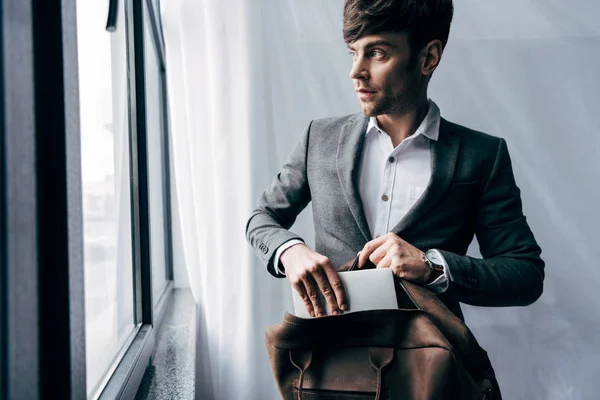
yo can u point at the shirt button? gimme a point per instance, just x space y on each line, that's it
384 197
391 159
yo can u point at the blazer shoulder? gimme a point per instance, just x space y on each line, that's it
332 122
474 139
471 134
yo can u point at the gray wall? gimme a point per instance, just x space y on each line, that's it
528 72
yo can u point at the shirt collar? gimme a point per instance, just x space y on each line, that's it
430 126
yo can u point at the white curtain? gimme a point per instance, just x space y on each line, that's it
246 76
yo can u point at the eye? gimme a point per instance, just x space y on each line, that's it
377 53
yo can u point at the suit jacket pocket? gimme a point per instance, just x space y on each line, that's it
464 182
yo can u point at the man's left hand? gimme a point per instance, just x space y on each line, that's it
391 251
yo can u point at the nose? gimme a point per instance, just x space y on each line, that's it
359 69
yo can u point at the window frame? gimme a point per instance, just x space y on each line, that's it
43 290
3 325
42 299
18 276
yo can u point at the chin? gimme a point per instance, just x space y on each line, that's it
368 110
366 113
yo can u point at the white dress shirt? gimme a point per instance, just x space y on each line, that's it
392 179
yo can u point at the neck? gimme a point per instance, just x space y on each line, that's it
401 126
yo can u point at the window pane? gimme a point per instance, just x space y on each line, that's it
106 187
154 117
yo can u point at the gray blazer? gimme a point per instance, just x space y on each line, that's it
472 191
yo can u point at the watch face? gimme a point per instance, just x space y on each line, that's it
435 258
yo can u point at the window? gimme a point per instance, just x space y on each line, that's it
105 173
157 161
116 150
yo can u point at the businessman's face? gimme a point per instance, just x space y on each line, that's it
387 78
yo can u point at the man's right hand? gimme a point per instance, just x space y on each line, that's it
310 273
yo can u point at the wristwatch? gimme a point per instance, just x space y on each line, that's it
436 267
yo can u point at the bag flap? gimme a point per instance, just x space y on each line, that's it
375 328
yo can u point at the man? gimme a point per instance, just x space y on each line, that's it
397 183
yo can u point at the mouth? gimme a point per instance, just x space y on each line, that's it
365 94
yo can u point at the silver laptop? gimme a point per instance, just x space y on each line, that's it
370 289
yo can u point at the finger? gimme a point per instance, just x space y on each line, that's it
399 272
380 253
369 248
398 267
338 287
385 262
396 260
325 287
312 291
299 287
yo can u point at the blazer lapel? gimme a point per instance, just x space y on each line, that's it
444 153
349 153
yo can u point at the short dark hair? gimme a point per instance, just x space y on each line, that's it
422 20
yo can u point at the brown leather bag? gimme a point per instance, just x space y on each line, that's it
420 351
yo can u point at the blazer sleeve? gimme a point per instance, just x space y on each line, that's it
279 205
511 272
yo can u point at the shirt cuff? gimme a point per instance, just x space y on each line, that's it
277 263
441 284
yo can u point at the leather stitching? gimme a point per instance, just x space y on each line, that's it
338 381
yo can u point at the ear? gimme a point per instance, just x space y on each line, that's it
431 55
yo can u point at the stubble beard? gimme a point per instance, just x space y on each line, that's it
398 104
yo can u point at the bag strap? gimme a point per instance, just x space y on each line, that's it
301 359
380 357
354 264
